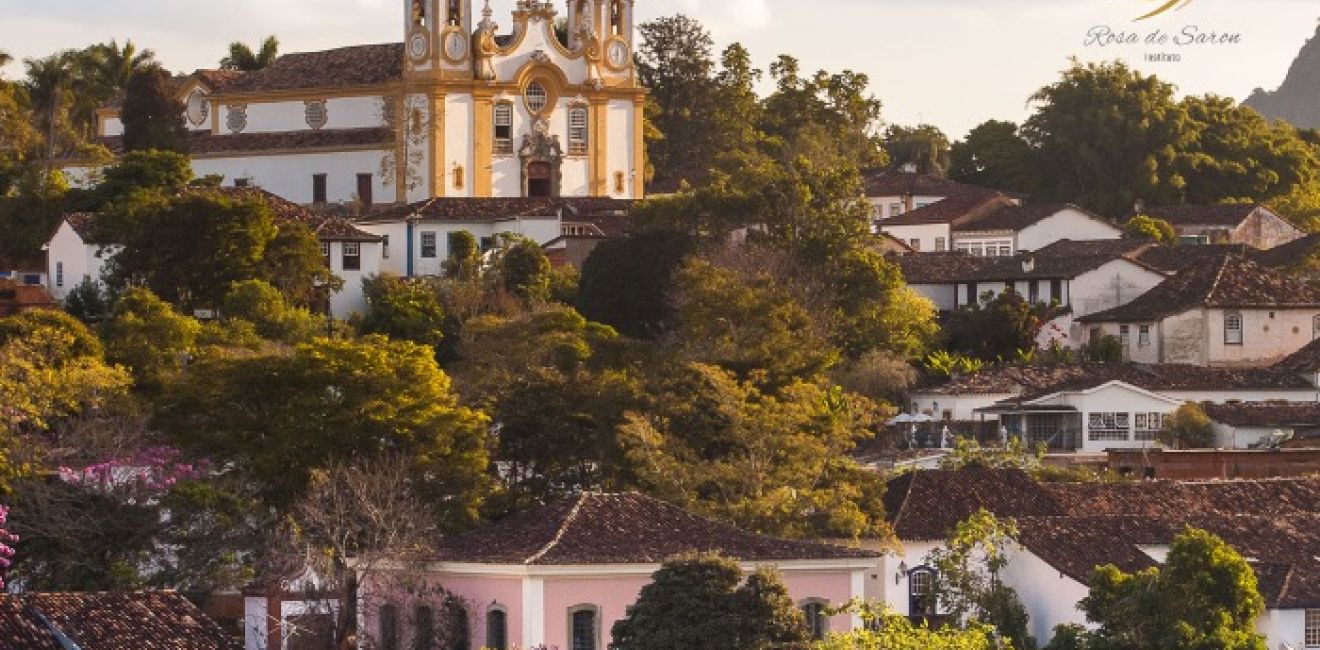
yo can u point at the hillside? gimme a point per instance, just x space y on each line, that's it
1298 99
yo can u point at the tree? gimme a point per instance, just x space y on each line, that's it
403 309
924 146
885 630
675 62
263 306
523 268
1188 428
147 335
627 283
243 58
78 340
277 418
695 601
1205 595
994 154
114 65
464 261
161 172
1107 136
1239 155
88 302
153 113
967 583
1150 228
773 462
996 330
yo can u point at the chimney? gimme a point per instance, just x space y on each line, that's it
1028 264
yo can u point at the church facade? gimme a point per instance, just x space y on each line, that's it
458 109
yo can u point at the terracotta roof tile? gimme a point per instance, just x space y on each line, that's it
609 213
1226 215
345 67
202 143
108 621
1036 380
1175 259
1290 254
1304 360
881 183
1232 282
939 268
955 209
621 529
1266 414
928 505
1174 499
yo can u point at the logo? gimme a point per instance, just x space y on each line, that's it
1168 4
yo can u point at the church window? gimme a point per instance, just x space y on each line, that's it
389 627
364 190
577 130
536 97
939 244
539 181
504 128
352 256
419 12
318 188
455 13
616 17
582 627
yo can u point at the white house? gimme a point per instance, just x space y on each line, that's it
72 258
1247 425
1066 530
1113 415
1232 312
454 108
991 224
1250 224
892 193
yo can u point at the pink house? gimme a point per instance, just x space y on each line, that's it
562 574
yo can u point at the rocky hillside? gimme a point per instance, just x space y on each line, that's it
1298 99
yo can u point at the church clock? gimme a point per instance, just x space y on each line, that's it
419 46
617 54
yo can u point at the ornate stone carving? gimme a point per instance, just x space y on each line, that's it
237 118
486 47
317 116
540 147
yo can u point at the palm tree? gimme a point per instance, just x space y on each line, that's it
242 58
113 65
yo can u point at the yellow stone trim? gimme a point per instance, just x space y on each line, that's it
599 146
437 146
639 148
605 56
482 140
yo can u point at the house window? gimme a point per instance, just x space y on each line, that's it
59 274
971 294
385 246
1033 291
915 244
504 128
1143 336
318 188
991 251
1056 291
1109 427
1232 328
242 182
497 629
939 244
364 187
1312 639
895 209
325 252
582 627
428 245
1006 251
1125 335
1148 426
577 130
818 623
389 627
423 628
921 592
352 256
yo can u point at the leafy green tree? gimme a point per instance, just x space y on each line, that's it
1205 595
261 304
88 302
772 462
147 335
967 577
277 418
925 146
403 309
994 154
675 62
82 341
1107 136
830 118
464 261
695 601
627 283
113 65
523 268
1150 228
19 138
242 57
165 172
885 630
153 113
1189 428
996 330
1239 155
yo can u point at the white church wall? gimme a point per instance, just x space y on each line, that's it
459 120
341 113
290 176
621 152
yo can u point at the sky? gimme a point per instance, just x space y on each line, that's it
951 63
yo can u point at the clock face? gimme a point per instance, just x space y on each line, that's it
617 54
418 47
456 46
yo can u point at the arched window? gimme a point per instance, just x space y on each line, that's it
389 627
583 627
818 621
536 97
921 592
454 631
1232 328
497 628
577 130
423 625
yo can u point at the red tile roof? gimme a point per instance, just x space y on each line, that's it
1018 217
1175 259
1226 215
15 297
1290 254
939 268
345 67
1233 282
1266 414
608 213
882 183
928 505
203 143
1305 360
956 209
107 621
1036 380
621 529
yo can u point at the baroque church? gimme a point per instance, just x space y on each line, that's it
460 108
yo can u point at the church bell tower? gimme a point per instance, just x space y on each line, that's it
438 37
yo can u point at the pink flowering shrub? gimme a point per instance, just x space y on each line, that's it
7 540
154 469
